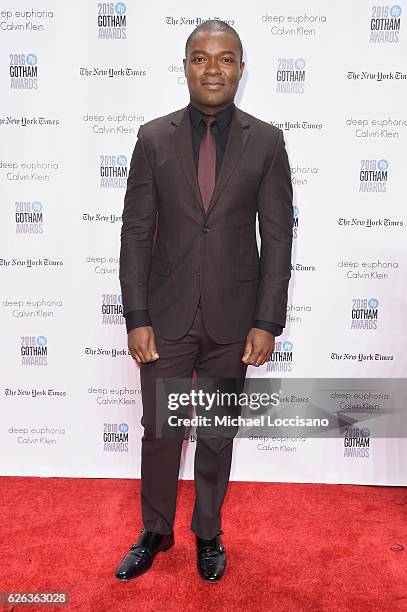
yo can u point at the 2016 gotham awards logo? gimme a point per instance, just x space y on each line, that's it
356 442
112 309
113 171
29 217
281 360
34 351
364 313
385 24
116 437
112 20
290 75
373 175
23 71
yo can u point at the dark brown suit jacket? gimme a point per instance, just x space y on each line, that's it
211 254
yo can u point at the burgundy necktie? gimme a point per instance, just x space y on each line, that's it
207 162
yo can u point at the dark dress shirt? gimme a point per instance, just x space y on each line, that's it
138 318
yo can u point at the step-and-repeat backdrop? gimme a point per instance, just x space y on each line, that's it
77 80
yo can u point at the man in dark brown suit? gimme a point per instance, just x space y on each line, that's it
196 294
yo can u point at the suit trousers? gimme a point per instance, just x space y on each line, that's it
160 456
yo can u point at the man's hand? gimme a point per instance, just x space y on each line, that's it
258 348
141 343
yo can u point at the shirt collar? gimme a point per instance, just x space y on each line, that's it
223 118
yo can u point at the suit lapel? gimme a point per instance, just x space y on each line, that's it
236 142
182 138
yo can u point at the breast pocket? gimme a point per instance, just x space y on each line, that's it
251 173
251 166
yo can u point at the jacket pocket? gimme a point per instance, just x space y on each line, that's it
160 266
247 273
251 172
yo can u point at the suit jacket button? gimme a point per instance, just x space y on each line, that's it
205 229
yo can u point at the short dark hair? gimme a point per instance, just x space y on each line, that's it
215 25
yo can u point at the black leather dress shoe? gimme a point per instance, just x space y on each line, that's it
141 555
211 558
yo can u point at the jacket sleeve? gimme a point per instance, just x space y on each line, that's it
275 212
139 220
137 318
269 326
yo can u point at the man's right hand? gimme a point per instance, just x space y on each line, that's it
141 343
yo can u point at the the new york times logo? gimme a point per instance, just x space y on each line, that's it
113 171
281 360
33 350
23 71
290 75
112 309
115 437
385 24
356 442
364 313
112 21
373 175
29 217
296 212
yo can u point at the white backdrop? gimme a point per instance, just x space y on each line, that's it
73 95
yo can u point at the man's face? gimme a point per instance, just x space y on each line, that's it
213 70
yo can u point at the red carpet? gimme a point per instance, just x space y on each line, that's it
290 547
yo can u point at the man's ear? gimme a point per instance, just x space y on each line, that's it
242 65
184 61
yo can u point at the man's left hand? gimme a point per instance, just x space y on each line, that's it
259 346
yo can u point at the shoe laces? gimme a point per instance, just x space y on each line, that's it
139 551
209 553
